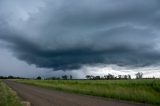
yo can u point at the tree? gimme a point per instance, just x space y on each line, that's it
88 76
70 76
38 78
109 76
125 77
105 76
64 77
120 76
10 77
97 77
139 75
129 76
53 78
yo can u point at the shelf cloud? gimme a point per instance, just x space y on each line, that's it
65 35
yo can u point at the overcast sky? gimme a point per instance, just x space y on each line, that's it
79 37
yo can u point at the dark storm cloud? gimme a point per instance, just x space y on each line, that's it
69 34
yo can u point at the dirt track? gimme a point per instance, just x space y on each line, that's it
43 97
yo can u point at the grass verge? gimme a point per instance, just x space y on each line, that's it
7 96
143 91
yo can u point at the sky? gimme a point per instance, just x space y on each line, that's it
57 37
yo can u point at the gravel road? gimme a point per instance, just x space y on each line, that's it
43 97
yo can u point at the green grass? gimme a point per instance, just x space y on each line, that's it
143 91
7 96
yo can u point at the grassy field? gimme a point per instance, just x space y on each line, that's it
7 96
144 91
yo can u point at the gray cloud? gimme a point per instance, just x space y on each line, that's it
66 35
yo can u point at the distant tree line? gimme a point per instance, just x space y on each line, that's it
138 75
108 77
11 77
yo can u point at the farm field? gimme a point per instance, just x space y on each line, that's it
143 91
7 96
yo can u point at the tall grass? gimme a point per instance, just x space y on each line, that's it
7 96
144 91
